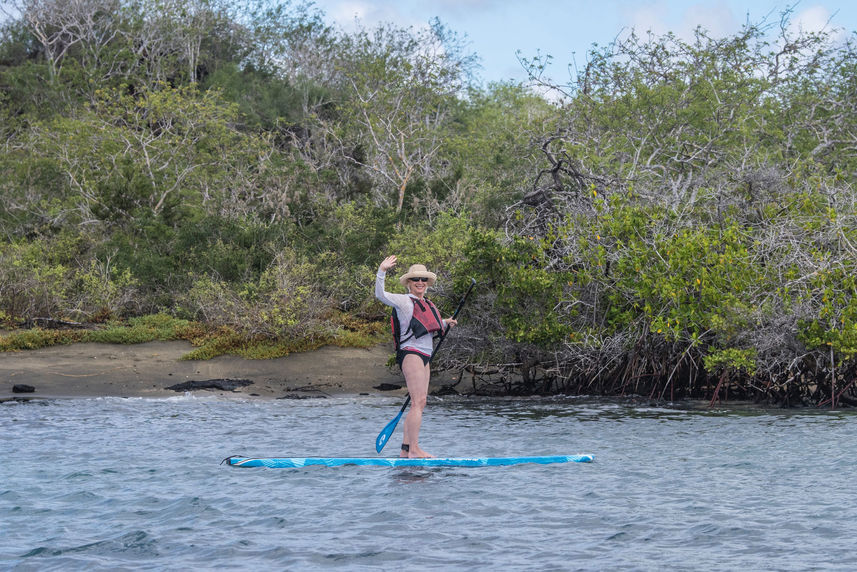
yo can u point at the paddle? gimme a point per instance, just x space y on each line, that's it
387 431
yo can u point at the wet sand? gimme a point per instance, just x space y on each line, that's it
147 370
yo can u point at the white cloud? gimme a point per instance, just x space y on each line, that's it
715 17
813 19
344 13
369 13
649 18
816 19
656 17
466 7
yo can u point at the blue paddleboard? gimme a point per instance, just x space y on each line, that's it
294 462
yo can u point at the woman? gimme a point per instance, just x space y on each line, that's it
419 323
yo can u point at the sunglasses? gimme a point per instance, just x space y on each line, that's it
420 279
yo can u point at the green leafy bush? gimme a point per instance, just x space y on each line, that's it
284 302
58 278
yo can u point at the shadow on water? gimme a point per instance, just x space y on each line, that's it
411 475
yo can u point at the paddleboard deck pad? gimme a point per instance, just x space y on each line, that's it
296 462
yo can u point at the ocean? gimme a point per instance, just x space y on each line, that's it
138 484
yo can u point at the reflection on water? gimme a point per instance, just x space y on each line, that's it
103 484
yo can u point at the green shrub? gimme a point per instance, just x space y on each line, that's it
58 278
284 302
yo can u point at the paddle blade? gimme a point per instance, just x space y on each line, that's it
386 433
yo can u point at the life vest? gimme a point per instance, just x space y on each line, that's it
426 320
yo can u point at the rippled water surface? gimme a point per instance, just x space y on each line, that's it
113 484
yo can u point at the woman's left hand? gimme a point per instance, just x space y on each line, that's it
451 323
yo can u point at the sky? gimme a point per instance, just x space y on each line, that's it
497 30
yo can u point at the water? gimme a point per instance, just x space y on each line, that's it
134 484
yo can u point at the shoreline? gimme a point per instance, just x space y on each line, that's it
89 370
149 369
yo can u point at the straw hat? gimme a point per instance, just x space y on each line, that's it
418 271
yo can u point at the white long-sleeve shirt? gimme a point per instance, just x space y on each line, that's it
404 305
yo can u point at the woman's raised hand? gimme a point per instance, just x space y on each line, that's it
387 264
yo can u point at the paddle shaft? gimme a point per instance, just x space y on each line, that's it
387 431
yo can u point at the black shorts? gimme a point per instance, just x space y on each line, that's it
400 356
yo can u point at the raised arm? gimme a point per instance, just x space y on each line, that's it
385 297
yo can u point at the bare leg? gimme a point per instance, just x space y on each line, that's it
417 378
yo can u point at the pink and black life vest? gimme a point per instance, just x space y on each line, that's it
426 320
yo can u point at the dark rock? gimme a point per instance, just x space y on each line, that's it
221 384
387 387
23 388
445 390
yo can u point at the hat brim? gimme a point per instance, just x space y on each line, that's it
403 280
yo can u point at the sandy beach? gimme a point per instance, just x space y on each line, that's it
149 369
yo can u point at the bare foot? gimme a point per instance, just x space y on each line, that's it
404 451
417 453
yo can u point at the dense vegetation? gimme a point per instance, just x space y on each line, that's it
675 220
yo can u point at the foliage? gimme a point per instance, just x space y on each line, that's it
677 218
441 248
402 86
528 295
158 327
284 302
491 139
46 278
